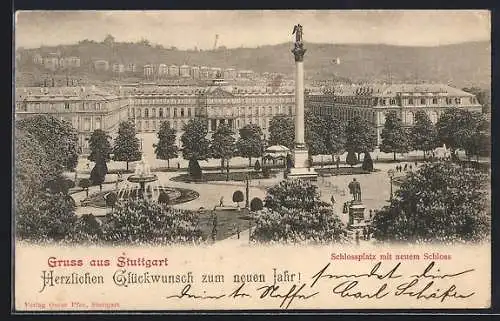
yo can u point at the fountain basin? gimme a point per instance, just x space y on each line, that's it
148 178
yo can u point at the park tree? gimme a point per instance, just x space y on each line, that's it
360 136
195 144
455 127
126 146
144 222
45 217
483 97
294 213
282 131
441 202
479 142
335 139
109 40
315 134
99 146
166 148
223 144
250 143
238 197
423 134
394 135
32 167
57 137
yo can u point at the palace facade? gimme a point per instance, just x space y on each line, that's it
372 102
87 109
217 104
147 106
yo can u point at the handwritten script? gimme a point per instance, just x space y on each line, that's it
377 283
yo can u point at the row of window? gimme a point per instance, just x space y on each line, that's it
347 113
154 125
64 106
189 112
186 101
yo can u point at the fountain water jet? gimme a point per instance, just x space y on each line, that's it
148 188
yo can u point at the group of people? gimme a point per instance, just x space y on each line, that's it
366 234
400 168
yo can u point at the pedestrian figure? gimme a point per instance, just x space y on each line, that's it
371 214
178 165
406 167
332 200
416 164
238 231
357 237
411 167
338 162
221 201
345 209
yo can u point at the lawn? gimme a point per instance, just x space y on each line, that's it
343 171
233 176
227 223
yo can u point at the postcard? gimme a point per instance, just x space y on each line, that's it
251 160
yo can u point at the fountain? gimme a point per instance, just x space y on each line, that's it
144 184
149 186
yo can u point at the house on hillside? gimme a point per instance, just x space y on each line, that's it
101 65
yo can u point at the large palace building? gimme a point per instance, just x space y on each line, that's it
148 106
218 104
87 109
373 102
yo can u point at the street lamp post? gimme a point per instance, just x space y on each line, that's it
247 194
390 173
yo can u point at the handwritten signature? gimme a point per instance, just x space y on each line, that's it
423 285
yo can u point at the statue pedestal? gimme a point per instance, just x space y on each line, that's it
356 214
301 169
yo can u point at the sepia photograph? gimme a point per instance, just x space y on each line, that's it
353 129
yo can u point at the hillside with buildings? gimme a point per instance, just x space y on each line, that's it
462 65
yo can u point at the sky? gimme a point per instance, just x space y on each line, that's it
251 28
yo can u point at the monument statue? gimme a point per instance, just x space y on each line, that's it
298 49
355 190
297 31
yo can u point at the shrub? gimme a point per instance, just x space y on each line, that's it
163 198
351 158
266 172
238 197
194 169
256 204
257 166
145 222
367 163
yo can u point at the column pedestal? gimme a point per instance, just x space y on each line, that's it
301 168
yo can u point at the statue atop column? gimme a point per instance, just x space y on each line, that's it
298 49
